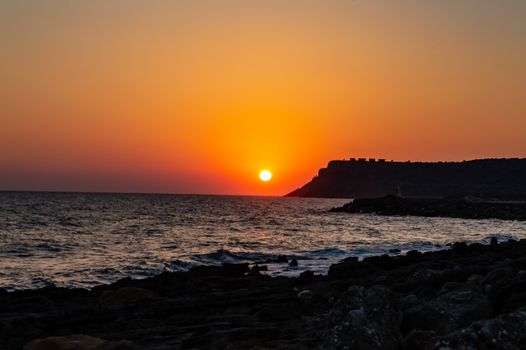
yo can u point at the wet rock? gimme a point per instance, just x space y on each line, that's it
77 342
281 259
413 254
256 269
293 263
459 247
226 270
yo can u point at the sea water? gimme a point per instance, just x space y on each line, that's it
84 240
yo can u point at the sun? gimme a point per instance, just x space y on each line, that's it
265 175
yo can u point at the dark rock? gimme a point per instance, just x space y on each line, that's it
413 254
351 269
281 259
503 332
226 270
432 207
365 318
471 296
256 269
306 275
499 275
77 342
293 263
123 296
459 247
447 312
418 339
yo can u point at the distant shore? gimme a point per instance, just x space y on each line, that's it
470 295
504 179
432 207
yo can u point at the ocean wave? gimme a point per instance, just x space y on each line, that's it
327 252
223 256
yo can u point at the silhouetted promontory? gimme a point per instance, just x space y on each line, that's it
503 179
453 208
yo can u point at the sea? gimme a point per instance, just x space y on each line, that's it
87 239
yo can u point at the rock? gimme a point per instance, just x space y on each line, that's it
433 207
499 275
351 269
413 254
365 318
506 331
459 247
281 259
125 295
418 339
77 342
226 270
293 263
408 301
256 269
305 295
420 301
447 312
306 276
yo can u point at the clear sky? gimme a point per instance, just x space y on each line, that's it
199 96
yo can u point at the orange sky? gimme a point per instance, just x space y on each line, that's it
199 96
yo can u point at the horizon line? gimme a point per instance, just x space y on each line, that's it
140 193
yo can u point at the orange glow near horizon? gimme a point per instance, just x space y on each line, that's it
197 97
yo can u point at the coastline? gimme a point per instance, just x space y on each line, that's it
437 207
466 295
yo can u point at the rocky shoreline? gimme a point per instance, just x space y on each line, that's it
467 297
453 208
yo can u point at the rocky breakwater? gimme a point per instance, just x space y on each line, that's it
453 208
467 297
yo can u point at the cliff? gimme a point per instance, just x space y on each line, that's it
503 179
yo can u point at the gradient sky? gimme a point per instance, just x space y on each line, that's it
198 96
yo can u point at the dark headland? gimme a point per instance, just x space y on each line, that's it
491 179
467 297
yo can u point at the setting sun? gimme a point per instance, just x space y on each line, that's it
265 175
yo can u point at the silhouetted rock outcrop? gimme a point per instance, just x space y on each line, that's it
485 178
468 297
454 208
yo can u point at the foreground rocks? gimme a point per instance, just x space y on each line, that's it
453 208
77 342
468 297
